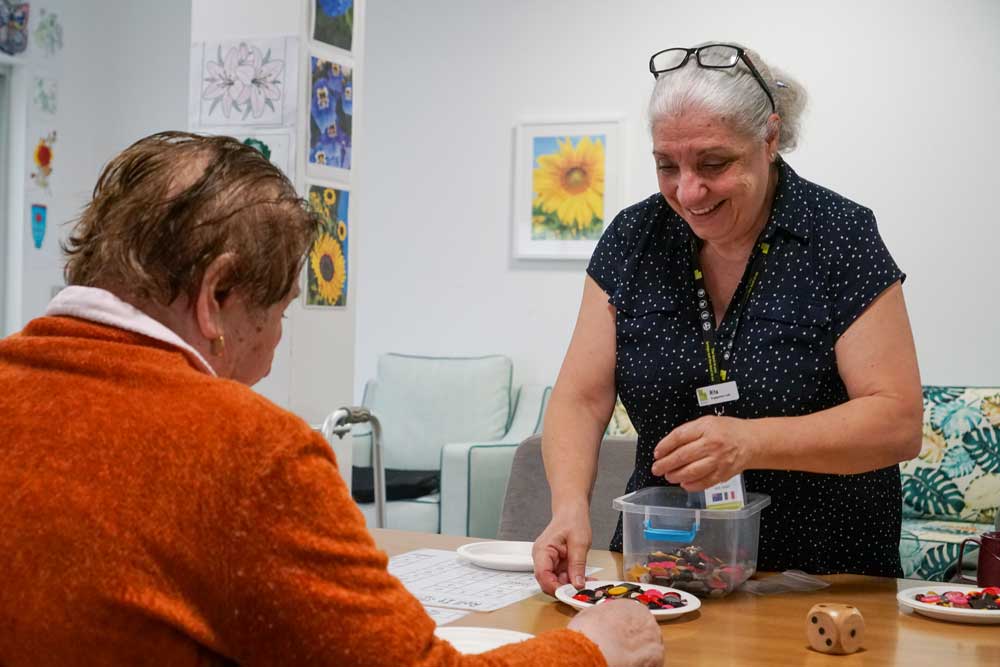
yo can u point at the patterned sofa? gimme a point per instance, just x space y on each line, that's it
952 489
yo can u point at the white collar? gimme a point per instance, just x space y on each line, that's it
98 305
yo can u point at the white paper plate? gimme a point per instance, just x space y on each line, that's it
479 640
566 592
512 556
981 616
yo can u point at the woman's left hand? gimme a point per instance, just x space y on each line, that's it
704 452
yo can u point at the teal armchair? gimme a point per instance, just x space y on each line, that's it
435 413
474 474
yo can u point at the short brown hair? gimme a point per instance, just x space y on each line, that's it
173 202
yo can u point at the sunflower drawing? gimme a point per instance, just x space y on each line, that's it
568 186
328 273
327 268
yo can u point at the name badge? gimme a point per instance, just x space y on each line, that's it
717 393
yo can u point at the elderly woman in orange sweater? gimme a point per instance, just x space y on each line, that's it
158 510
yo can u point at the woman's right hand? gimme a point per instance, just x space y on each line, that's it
560 552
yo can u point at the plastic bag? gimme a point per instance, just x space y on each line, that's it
789 581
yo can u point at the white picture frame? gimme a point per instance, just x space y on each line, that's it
568 186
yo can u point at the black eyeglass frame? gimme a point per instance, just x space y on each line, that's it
740 55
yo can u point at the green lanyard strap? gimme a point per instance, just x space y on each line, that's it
718 366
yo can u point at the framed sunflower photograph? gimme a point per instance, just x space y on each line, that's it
326 266
568 186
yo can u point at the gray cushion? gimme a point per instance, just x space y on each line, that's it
527 503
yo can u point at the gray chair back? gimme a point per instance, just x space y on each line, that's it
528 501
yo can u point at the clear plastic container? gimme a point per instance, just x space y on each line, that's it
708 553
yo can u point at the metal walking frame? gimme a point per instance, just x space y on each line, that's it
339 423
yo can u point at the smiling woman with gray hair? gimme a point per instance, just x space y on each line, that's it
740 280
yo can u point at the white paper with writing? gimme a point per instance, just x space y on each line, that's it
441 579
444 616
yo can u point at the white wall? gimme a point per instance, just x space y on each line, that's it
122 74
314 364
147 76
902 118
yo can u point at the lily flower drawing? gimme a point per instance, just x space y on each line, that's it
244 79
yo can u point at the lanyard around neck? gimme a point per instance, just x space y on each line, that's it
718 365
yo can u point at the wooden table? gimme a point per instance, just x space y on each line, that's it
768 631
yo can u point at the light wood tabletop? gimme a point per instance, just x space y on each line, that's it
748 630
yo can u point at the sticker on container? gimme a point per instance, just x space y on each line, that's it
726 495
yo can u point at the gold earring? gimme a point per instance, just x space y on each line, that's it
219 345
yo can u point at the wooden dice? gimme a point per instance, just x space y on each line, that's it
835 628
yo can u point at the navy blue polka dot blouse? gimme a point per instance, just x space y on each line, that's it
827 263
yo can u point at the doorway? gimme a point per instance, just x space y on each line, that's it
5 171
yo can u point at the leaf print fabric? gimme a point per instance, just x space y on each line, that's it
957 463
934 394
983 493
983 446
930 491
962 446
936 562
955 418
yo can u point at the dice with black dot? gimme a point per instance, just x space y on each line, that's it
835 628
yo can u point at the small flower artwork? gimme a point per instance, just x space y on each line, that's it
326 266
43 156
568 186
259 146
244 82
330 114
44 95
333 22
275 145
39 213
14 26
49 33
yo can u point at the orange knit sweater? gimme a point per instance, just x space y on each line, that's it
151 514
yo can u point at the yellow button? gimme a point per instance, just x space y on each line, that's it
617 590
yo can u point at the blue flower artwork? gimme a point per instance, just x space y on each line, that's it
335 8
330 114
333 23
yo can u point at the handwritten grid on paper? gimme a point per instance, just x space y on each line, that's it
441 579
